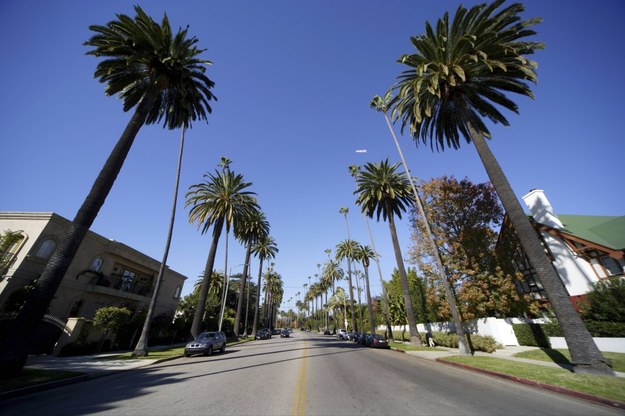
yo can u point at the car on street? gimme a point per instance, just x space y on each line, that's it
262 334
376 341
206 343
285 333
341 334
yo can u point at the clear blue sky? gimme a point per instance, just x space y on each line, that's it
294 80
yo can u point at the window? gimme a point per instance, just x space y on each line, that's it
178 291
96 264
611 265
10 244
46 249
128 278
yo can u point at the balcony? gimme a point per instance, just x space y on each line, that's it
141 286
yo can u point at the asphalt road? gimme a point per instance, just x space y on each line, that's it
302 375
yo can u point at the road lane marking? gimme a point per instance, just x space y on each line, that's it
299 404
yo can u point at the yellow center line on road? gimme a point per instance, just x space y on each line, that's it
299 404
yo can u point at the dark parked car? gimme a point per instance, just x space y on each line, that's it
275 331
262 334
360 339
206 343
376 341
285 333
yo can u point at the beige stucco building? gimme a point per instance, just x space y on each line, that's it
104 272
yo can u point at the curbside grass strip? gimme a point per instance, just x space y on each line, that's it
585 396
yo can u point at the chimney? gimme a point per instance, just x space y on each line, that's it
541 209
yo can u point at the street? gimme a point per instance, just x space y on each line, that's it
306 374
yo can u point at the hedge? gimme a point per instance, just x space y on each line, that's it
531 335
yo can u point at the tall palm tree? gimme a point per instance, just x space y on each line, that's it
364 254
460 72
157 73
346 250
385 192
217 201
141 349
354 170
264 248
252 227
381 104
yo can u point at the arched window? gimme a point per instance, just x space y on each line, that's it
46 249
96 264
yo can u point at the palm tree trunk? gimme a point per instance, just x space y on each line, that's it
237 320
387 314
141 349
196 326
412 324
369 304
13 349
226 283
463 346
351 293
586 357
255 324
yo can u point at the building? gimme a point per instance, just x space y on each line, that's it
103 273
584 249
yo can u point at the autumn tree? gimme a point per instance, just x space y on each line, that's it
465 218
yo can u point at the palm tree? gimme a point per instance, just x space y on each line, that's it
383 191
339 301
264 248
381 104
346 250
252 227
364 254
354 170
141 349
443 96
217 201
161 75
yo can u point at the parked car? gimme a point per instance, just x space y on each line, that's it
341 334
350 336
285 333
262 334
376 341
206 343
275 331
360 339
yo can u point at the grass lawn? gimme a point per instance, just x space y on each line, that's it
607 387
562 356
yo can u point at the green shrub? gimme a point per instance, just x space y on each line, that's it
531 335
606 329
596 329
477 342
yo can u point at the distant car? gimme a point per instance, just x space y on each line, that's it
276 331
341 334
376 341
360 339
206 343
262 334
285 333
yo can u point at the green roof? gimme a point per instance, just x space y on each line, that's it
604 230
